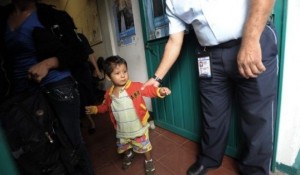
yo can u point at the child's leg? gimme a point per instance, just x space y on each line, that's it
148 155
143 145
125 148
92 129
127 159
149 164
128 153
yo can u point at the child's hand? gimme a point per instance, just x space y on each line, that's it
164 91
91 110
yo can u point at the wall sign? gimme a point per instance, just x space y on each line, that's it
124 22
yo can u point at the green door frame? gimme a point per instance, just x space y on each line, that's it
280 20
280 16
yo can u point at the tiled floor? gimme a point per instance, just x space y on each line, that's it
172 154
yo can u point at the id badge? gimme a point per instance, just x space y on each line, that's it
204 66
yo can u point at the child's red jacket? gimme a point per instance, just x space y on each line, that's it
135 92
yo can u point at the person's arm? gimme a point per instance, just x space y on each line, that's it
38 71
154 92
250 57
91 110
171 53
92 60
97 109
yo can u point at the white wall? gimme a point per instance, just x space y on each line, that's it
289 129
106 47
134 53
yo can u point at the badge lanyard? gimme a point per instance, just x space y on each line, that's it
204 65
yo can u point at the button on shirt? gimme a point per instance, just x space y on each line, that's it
214 21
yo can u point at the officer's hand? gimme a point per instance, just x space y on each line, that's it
150 82
249 60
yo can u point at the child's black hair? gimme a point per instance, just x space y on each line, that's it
111 62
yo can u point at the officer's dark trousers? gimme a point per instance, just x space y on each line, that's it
255 103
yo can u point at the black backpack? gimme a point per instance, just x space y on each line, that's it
37 142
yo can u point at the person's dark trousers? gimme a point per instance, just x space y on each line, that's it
84 78
64 98
256 100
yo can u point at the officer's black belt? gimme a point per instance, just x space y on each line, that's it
227 44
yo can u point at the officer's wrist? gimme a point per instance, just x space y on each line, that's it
156 78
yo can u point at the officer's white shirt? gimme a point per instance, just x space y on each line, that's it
214 21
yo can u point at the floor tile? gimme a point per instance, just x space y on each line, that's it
172 154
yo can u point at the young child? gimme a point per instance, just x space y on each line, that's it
129 115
